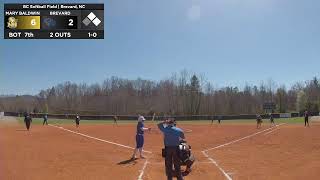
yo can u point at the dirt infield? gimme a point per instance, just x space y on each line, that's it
102 152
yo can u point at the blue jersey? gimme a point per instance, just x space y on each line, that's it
140 125
172 135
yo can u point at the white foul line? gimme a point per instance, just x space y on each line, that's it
215 163
142 170
204 152
98 139
271 131
237 140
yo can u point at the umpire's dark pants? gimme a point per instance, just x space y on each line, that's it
28 123
173 159
45 121
306 121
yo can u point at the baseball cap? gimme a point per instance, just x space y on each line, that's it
141 118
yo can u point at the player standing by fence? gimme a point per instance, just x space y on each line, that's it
27 120
272 120
77 120
259 121
219 119
306 118
115 120
45 119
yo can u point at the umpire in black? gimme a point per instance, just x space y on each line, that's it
27 120
172 138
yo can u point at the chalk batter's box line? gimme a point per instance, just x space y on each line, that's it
98 139
140 177
216 164
196 162
147 162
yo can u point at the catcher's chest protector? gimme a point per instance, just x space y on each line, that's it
184 152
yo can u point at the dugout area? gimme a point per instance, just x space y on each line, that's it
235 150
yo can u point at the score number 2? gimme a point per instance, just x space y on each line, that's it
70 22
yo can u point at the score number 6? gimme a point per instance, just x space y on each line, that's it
33 22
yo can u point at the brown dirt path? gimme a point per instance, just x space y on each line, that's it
50 153
291 152
47 153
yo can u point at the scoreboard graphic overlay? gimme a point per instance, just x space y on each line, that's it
54 21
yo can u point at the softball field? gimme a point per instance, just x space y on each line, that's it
231 150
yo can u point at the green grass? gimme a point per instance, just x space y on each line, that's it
290 120
72 121
276 120
125 122
246 121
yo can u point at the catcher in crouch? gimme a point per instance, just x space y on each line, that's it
186 157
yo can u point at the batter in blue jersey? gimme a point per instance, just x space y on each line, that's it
140 137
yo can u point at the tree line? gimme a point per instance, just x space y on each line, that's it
183 93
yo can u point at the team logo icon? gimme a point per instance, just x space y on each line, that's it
12 23
49 23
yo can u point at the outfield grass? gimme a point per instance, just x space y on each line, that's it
124 122
276 120
72 121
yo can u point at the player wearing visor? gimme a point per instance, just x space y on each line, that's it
140 137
